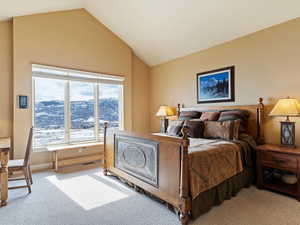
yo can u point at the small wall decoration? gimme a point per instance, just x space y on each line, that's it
23 101
216 86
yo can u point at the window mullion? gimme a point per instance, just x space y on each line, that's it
67 112
96 113
33 108
121 108
33 102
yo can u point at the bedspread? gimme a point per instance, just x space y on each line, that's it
211 162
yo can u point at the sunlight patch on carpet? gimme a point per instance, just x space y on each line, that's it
87 192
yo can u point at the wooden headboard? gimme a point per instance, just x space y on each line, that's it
255 122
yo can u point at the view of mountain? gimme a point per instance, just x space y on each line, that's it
50 114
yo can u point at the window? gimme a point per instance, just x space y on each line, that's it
110 105
49 111
72 106
82 100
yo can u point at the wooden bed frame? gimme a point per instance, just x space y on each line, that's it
173 162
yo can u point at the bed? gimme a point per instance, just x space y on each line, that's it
190 175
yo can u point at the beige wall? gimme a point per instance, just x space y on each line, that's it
6 78
70 39
140 96
266 65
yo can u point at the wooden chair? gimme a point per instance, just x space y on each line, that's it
23 165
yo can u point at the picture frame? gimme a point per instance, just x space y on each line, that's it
216 86
23 101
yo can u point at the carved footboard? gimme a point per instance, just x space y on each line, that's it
137 157
156 164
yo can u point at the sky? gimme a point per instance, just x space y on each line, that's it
51 89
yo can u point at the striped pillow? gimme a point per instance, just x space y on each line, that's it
186 115
236 114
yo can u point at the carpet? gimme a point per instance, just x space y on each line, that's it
89 198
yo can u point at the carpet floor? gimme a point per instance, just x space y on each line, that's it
88 198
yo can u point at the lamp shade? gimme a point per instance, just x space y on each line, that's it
165 110
286 107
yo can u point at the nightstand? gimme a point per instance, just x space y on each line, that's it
270 157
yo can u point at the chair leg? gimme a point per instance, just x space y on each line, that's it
30 175
26 173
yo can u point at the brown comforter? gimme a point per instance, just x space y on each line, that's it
212 162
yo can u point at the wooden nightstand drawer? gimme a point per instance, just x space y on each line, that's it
279 160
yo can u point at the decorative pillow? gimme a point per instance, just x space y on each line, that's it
210 116
174 127
236 129
186 115
195 128
219 130
236 114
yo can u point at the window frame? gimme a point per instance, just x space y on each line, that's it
67 102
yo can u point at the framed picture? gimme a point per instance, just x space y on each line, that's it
216 86
23 101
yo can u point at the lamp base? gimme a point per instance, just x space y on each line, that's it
164 122
287 137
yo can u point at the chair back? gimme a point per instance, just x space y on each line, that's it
28 148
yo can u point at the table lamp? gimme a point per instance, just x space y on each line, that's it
287 107
163 112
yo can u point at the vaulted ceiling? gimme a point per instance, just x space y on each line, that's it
161 30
